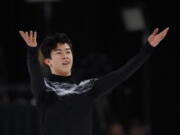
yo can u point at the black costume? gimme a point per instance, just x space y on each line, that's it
65 106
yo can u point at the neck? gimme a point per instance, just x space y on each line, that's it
61 73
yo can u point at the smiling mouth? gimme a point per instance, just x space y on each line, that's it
66 63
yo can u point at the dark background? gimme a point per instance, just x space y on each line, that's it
101 44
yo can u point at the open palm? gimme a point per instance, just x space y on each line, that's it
155 38
29 38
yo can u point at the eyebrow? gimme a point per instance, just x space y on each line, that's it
61 49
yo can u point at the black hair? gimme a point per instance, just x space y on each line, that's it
50 43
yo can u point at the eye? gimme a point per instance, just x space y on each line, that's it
58 53
68 52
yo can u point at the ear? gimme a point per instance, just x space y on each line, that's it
47 61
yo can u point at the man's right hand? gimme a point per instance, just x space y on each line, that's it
29 38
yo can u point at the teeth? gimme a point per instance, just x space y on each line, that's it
65 63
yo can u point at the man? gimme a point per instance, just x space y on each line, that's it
65 105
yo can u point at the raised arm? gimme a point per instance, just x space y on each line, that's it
34 68
106 83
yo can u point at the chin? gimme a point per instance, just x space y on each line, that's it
67 71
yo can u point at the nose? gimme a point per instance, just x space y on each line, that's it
64 56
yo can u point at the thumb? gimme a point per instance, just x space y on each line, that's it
155 31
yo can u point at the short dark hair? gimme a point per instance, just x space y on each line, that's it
50 43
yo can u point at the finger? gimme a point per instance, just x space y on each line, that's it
165 30
22 34
31 36
164 33
155 31
27 36
35 36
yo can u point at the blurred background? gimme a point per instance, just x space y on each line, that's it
105 34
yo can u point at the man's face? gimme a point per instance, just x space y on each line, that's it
61 60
